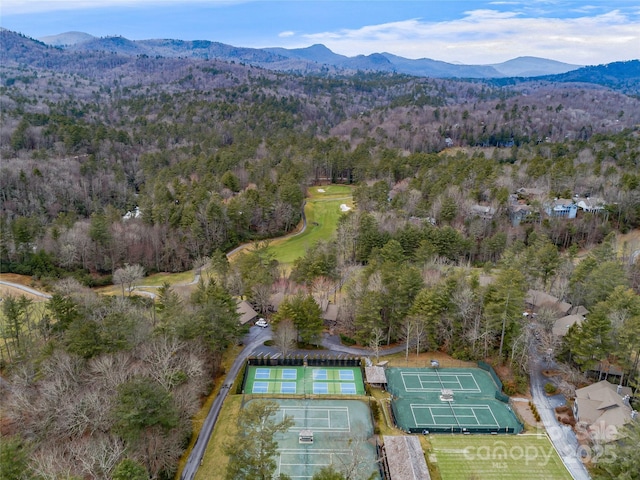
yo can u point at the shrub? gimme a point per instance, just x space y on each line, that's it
522 383
347 340
462 354
375 410
550 388
509 387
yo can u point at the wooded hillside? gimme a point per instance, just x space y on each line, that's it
467 194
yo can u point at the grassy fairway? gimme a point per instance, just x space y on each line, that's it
322 211
482 457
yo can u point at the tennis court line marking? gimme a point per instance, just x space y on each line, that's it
326 417
428 378
451 413
308 453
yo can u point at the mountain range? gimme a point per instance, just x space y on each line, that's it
315 58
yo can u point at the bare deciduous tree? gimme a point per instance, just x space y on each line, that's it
285 336
127 276
407 332
377 337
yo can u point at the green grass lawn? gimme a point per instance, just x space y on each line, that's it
322 211
479 457
215 459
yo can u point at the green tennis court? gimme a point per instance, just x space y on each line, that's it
420 407
294 380
342 436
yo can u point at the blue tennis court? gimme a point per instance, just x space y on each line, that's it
262 373
348 388
299 380
346 375
289 374
320 374
320 388
260 387
288 387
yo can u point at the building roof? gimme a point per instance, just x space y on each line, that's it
539 299
562 202
603 403
531 192
405 458
520 208
375 375
590 204
579 310
246 311
562 325
483 211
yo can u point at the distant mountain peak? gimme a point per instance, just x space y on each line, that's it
528 66
66 39
313 57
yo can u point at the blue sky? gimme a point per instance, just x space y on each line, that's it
471 32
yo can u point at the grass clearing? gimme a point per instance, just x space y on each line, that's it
322 211
215 460
496 457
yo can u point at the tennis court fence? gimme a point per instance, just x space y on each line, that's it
488 368
299 361
454 429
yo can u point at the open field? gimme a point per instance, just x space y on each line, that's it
322 211
25 280
496 458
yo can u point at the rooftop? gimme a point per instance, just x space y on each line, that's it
405 458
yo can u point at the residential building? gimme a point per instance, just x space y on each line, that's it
536 300
602 408
561 207
563 324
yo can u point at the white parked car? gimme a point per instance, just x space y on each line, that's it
262 323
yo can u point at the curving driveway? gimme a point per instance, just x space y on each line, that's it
256 337
562 436
25 289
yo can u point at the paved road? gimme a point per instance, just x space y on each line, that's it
562 436
254 345
256 337
25 289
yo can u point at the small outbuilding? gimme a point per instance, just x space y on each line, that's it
375 376
246 311
404 458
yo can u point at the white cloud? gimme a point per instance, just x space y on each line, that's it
286 34
488 36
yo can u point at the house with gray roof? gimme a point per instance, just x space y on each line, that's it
602 408
537 299
562 325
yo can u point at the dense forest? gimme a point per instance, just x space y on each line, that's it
110 162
